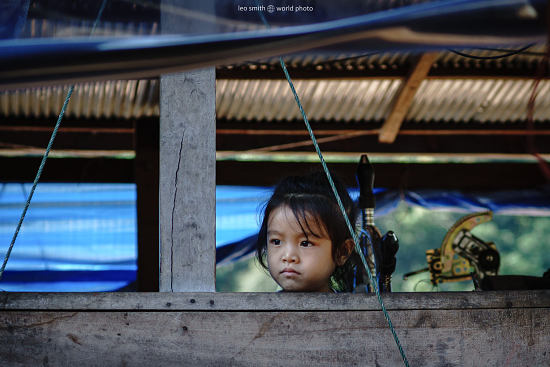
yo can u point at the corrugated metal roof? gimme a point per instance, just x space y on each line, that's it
37 28
369 100
111 99
346 100
529 58
437 100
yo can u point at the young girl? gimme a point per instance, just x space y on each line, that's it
304 237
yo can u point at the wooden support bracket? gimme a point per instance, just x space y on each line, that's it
404 98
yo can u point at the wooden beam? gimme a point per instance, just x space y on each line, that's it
485 176
17 151
402 158
146 166
474 177
404 97
187 172
109 170
375 70
269 301
255 338
357 132
404 144
478 328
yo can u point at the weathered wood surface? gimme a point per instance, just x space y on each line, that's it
475 337
187 169
404 97
271 301
261 329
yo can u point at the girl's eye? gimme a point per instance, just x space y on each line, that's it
306 244
275 242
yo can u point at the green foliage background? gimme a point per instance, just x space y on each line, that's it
521 241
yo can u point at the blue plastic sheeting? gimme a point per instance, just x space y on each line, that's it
66 281
534 202
92 227
89 228
70 226
238 210
420 27
13 14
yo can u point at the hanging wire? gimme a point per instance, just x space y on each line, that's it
44 158
529 53
508 54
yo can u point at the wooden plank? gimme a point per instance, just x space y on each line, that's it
374 70
187 173
406 158
486 176
356 132
86 136
405 143
146 166
488 337
23 169
271 301
411 176
405 96
22 151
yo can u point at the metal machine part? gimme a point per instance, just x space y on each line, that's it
462 256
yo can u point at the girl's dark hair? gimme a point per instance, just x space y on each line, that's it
312 195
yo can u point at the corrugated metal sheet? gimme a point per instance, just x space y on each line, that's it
442 100
488 101
369 101
36 28
437 100
110 99
446 60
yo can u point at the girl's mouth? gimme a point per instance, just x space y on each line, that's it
289 271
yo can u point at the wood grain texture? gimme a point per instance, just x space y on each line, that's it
187 182
187 169
481 337
271 301
274 329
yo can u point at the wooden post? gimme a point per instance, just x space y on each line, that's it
146 167
187 170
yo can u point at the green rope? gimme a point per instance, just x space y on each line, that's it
43 162
341 205
339 201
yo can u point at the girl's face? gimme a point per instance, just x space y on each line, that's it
298 262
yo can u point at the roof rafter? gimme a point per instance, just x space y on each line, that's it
404 97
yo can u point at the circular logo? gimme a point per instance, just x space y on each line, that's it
270 8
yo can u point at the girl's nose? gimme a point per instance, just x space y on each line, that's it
290 255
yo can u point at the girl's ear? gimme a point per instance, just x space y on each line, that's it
344 252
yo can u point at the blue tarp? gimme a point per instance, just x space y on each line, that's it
424 26
69 229
533 202
92 227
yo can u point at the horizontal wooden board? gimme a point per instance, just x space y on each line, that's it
273 301
478 337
